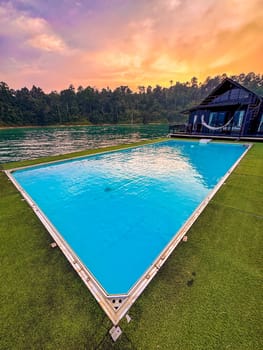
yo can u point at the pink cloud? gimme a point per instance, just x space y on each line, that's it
136 43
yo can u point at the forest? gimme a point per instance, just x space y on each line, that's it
88 105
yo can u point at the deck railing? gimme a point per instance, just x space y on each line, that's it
187 129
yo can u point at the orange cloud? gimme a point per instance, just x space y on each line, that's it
131 43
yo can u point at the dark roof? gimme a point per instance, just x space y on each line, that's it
218 104
230 82
227 81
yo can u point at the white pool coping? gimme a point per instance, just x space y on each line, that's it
117 306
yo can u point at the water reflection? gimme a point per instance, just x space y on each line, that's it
29 143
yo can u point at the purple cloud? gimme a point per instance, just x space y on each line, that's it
137 42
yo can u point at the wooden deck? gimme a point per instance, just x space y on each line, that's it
217 137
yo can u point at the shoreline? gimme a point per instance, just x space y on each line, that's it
71 125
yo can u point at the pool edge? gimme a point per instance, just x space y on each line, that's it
116 311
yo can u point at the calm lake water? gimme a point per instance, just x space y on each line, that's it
30 143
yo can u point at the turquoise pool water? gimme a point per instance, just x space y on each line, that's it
119 210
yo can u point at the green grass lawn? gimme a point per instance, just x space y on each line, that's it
207 295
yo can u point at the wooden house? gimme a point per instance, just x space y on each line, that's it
230 110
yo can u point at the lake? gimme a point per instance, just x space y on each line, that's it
30 143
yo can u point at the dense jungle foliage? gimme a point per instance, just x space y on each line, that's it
121 105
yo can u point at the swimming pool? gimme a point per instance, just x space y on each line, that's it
117 216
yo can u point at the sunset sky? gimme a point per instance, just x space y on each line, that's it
53 43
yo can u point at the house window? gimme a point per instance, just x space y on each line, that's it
223 97
212 118
243 95
260 126
217 118
238 119
234 94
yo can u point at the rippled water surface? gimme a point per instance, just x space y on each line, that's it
119 210
29 143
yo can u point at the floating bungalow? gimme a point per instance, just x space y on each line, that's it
229 111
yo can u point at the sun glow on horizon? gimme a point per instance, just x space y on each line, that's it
125 42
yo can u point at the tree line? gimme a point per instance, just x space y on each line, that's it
121 105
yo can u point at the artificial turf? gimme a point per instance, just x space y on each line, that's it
206 296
